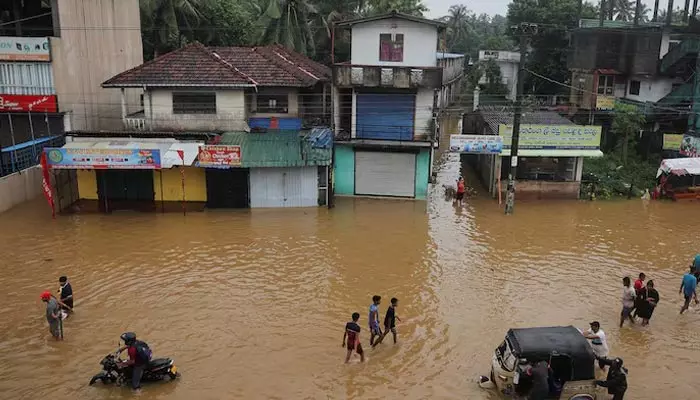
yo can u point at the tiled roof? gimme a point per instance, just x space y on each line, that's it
276 149
494 117
393 14
197 65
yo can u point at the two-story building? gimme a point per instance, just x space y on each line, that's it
508 63
219 127
53 59
385 103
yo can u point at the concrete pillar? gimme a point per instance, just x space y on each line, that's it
476 98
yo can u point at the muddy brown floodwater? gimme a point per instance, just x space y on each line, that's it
252 304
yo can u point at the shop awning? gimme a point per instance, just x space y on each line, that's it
554 153
680 166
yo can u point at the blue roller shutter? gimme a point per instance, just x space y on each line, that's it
385 116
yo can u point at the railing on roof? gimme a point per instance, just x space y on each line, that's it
135 121
25 155
349 75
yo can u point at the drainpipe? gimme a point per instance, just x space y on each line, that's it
124 112
476 98
150 108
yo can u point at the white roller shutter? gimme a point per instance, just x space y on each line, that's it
284 187
385 174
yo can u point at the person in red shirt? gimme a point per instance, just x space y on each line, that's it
135 363
640 289
461 188
352 333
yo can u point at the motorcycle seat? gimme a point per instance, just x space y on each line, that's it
158 362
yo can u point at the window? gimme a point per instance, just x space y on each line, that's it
391 47
606 84
634 87
194 103
272 103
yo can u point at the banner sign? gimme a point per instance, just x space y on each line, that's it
219 156
604 102
24 48
476 144
690 146
20 102
71 158
672 141
574 137
46 184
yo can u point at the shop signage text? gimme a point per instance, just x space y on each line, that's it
24 49
604 102
672 141
553 136
476 144
219 156
103 158
17 102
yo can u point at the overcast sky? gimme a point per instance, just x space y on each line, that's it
439 8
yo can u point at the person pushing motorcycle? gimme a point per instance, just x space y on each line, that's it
139 356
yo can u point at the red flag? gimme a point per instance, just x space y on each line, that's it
46 184
182 156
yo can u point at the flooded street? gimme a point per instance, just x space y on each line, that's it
252 304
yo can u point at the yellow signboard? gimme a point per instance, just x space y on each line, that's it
553 136
672 141
604 102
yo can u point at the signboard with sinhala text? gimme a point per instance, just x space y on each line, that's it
64 158
24 48
219 156
575 137
476 144
672 141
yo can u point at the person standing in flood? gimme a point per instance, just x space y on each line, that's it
599 342
65 293
461 189
389 321
688 286
374 329
628 297
53 315
640 291
648 303
352 334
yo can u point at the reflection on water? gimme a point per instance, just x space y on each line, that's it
253 304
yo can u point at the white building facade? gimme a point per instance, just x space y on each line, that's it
508 62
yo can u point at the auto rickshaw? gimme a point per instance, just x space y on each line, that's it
569 355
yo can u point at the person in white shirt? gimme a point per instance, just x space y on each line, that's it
628 297
599 343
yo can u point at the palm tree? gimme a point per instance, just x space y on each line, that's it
166 22
291 23
457 28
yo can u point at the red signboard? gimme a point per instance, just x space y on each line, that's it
219 156
23 102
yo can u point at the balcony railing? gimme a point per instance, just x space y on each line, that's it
348 75
135 121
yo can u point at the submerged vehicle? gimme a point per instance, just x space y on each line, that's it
158 369
569 355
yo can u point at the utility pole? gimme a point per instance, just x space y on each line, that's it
524 30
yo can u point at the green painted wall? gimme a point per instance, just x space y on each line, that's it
422 174
344 171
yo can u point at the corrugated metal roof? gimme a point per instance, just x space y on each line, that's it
276 149
494 117
595 23
554 153
441 55
393 14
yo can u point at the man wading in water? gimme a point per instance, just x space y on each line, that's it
628 297
53 314
352 333
374 329
688 285
389 322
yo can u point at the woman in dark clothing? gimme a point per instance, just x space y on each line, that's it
648 302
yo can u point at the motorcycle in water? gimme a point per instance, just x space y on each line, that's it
158 369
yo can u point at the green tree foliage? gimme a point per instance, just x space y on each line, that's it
550 44
291 23
627 122
468 33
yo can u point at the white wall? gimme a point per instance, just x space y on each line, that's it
651 89
451 68
424 112
20 187
419 48
509 76
230 112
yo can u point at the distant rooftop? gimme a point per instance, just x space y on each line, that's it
393 14
441 55
595 23
494 116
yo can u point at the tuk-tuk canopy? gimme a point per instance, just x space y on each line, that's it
538 344
679 166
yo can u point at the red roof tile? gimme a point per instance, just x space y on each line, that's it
196 65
